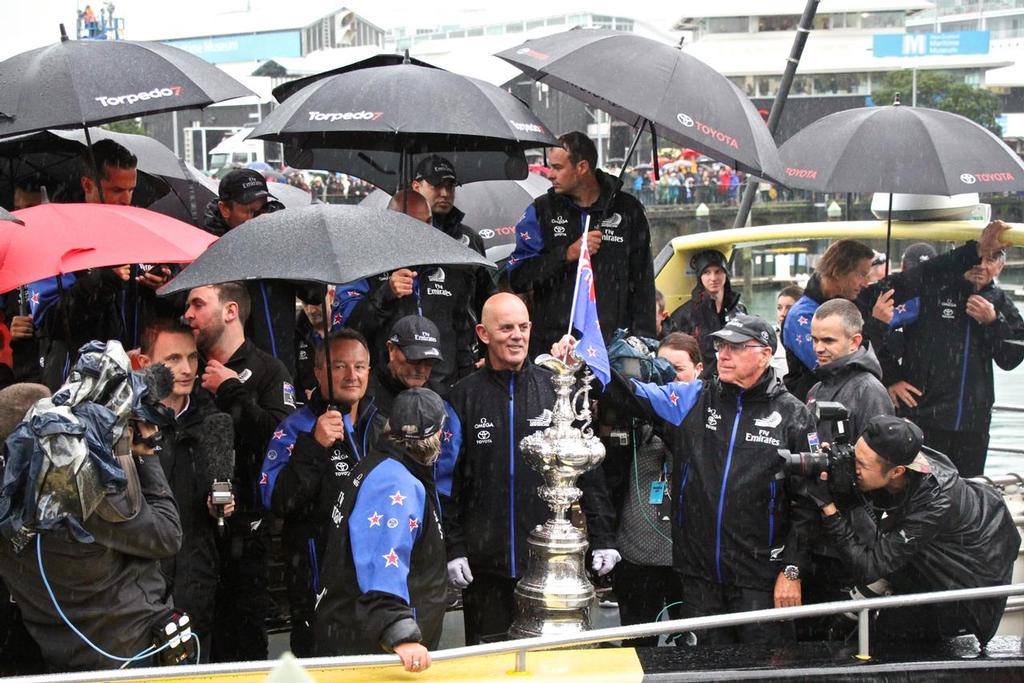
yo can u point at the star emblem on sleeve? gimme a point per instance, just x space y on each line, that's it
802 320
391 559
448 435
413 524
674 398
35 298
902 308
375 518
279 434
291 447
337 319
525 236
397 498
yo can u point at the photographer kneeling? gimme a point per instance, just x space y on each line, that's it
934 531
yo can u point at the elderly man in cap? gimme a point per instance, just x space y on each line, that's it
712 303
243 196
384 573
736 544
933 531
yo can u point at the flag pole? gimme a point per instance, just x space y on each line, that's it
576 287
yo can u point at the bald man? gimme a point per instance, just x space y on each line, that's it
450 296
494 501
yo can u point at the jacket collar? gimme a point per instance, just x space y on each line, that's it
449 224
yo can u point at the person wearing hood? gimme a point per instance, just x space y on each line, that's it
243 195
848 373
935 531
585 207
712 303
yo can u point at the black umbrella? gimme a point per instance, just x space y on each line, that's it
75 83
892 149
492 209
404 109
325 243
646 82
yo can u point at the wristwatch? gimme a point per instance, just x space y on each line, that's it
791 572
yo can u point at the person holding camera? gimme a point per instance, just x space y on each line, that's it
933 531
735 542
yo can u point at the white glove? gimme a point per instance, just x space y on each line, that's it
459 574
604 561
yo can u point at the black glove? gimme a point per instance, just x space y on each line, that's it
812 488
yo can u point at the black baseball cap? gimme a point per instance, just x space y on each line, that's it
418 337
897 440
243 185
417 413
917 253
708 257
436 170
743 328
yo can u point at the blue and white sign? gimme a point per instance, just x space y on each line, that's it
931 44
243 47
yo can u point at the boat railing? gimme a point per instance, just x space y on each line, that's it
520 648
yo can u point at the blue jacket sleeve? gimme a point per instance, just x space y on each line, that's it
279 450
383 527
671 402
533 262
451 444
346 298
796 331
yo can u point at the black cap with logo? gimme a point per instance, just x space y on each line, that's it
897 440
744 328
417 413
243 185
418 337
436 170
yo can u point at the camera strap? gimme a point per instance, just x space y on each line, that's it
125 505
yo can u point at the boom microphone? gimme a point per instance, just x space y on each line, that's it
159 381
217 443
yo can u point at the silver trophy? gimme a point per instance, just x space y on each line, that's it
554 597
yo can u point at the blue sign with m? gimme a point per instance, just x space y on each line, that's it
931 44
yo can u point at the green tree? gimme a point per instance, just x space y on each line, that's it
133 126
941 90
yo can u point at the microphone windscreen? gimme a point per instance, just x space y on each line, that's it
159 381
217 443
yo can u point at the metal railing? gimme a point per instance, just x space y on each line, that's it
520 648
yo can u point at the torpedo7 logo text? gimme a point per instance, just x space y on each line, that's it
155 93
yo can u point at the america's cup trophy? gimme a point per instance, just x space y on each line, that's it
555 595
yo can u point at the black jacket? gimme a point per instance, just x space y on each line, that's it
112 589
307 340
257 401
947 354
623 270
271 323
941 533
494 494
450 296
384 574
700 318
854 381
732 522
193 573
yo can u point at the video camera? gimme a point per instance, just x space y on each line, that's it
836 458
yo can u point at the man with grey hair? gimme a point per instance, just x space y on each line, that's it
847 372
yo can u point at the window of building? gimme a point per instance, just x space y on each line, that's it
514 28
534 23
494 30
1006 27
881 19
475 32
555 21
784 22
726 25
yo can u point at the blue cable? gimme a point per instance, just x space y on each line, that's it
149 651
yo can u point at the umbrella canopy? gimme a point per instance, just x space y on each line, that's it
492 209
72 84
6 215
62 238
403 107
322 243
895 148
637 79
292 197
188 197
385 170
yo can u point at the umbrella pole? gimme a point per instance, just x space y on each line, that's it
888 235
802 31
92 159
654 151
327 351
629 154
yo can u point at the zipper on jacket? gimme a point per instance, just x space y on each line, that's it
771 513
266 313
725 480
682 495
512 474
963 376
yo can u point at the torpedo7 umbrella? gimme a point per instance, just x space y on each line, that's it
75 83
403 109
63 238
895 148
646 82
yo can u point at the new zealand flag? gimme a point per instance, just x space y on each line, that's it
584 316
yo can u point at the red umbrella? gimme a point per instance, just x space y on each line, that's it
63 238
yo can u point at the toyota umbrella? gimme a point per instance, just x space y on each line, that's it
895 148
646 82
